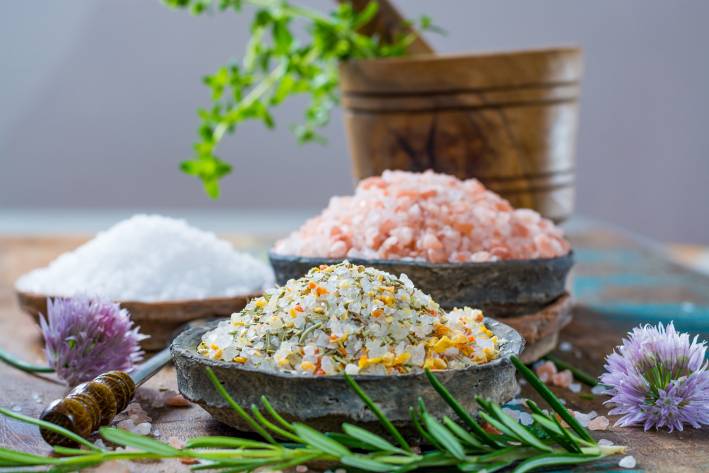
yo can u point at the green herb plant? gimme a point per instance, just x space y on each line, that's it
460 443
277 65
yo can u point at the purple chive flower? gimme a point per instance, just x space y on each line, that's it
86 337
658 378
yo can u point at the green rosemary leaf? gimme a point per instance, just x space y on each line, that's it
299 460
553 459
383 419
443 436
430 460
239 410
141 442
14 458
484 468
498 425
272 427
524 435
461 433
320 441
370 438
460 411
226 442
49 426
348 441
549 397
364 463
579 374
273 413
419 428
58 449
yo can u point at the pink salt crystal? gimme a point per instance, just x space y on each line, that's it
177 400
546 371
563 379
599 423
426 217
175 442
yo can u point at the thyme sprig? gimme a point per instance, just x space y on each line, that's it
462 444
278 64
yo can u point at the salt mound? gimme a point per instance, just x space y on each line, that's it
425 216
350 318
151 258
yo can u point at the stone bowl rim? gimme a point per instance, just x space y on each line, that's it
316 260
182 346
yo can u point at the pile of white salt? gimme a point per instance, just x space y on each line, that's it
428 217
151 258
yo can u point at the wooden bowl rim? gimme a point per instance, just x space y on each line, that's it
472 265
570 50
147 304
512 343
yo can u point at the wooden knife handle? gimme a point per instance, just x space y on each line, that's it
88 406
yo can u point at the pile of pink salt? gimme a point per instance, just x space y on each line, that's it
427 217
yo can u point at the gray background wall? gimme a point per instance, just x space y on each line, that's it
97 102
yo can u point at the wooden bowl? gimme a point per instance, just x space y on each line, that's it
159 320
325 402
499 288
508 119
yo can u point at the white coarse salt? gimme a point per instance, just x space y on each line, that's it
627 462
151 258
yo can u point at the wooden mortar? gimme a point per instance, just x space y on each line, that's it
508 119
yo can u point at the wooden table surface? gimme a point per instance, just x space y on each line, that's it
618 282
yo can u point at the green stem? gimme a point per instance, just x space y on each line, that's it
22 365
581 375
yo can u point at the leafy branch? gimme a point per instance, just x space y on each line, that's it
463 444
275 66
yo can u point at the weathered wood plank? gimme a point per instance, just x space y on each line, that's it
618 283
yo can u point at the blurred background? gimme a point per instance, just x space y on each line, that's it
98 100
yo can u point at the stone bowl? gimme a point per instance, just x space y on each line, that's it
498 288
159 320
325 402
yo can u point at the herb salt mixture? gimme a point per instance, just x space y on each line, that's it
354 319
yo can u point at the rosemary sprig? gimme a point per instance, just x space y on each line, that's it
450 445
275 66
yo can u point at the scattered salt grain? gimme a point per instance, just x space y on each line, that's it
37 398
605 443
301 468
17 408
428 217
575 387
563 379
545 371
565 347
627 462
599 423
156 433
599 389
585 419
175 442
151 258
176 400
143 428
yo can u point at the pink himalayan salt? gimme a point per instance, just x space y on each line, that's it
563 379
427 217
546 371
599 423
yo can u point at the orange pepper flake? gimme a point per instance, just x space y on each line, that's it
321 290
377 312
298 308
342 351
322 266
312 285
